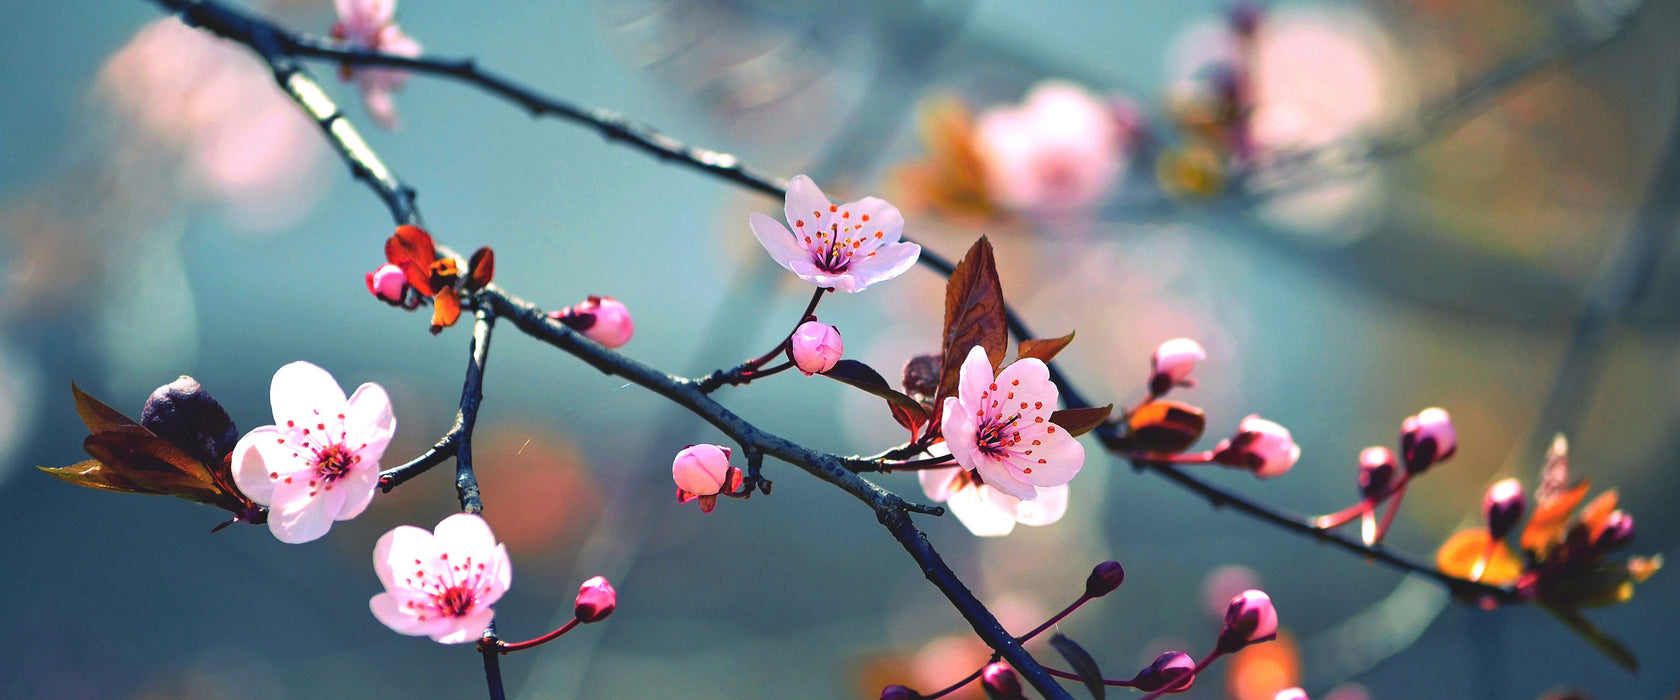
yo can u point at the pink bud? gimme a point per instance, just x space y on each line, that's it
1427 438
1503 506
1618 531
1172 363
816 347
1376 471
1250 619
1000 682
388 284
701 470
1174 668
1106 577
898 692
1260 445
596 600
602 319
1291 694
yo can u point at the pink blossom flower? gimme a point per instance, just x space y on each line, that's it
1172 364
988 512
702 472
1427 439
846 247
596 599
1174 668
604 320
1250 619
441 584
370 25
390 285
1061 150
816 347
1000 427
1261 446
319 462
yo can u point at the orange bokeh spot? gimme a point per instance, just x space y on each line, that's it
1459 555
1258 672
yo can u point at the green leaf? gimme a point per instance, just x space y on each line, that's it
973 317
1079 421
1611 647
907 411
1082 663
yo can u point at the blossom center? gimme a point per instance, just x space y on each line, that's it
995 437
833 248
333 462
453 593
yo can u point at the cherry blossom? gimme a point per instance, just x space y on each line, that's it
1172 364
1261 446
596 599
1061 150
845 247
816 346
999 427
988 512
370 25
1250 619
702 472
319 462
604 320
441 584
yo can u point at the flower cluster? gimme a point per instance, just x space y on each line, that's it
411 253
1159 430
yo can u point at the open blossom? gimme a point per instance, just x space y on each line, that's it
319 462
370 25
846 247
1261 446
442 583
816 346
999 427
988 512
1060 150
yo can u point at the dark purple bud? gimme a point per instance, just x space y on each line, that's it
1617 532
183 413
1000 682
899 692
1427 439
1503 506
1250 619
1376 472
921 377
1106 577
595 601
1174 668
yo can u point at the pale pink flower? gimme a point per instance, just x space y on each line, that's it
1172 364
988 512
370 25
1250 619
1000 427
1261 446
1061 150
702 472
845 247
604 320
319 462
441 584
1427 439
816 347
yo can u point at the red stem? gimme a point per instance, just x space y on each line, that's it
1388 516
551 636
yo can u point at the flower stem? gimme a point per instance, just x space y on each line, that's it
1388 516
970 679
748 371
1083 599
506 648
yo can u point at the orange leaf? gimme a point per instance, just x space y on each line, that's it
1043 349
446 307
481 268
1597 511
1550 515
1461 553
1166 426
412 246
1079 421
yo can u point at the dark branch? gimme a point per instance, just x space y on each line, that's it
472 393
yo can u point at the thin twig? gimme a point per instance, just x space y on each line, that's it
472 394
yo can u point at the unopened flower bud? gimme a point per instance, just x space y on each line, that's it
1291 694
899 692
1172 363
1618 531
1503 506
701 470
1261 446
1426 439
389 284
1376 471
604 320
596 600
816 347
1173 668
1000 682
1106 577
1250 619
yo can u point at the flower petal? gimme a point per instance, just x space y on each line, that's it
499 574
1048 507
358 488
300 390
958 427
250 469
391 612
889 261
394 555
1002 476
296 517
974 379
465 534
980 513
368 424
466 628
1059 458
883 217
778 241
806 202
939 484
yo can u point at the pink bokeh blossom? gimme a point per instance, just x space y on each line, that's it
370 25
1061 150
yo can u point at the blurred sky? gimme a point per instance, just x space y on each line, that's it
164 212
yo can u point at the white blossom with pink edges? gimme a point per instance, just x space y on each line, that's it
846 247
441 584
999 427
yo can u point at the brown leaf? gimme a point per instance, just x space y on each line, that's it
481 268
921 378
973 317
1166 426
1079 421
152 463
1042 349
96 414
94 475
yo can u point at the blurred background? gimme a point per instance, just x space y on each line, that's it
1332 197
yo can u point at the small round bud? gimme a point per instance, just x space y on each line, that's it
388 284
1291 694
1172 364
1618 531
1173 668
1106 577
604 320
1250 619
1000 682
1426 439
1503 506
1376 471
596 600
701 470
1261 446
899 692
816 347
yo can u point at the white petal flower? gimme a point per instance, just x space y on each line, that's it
987 512
846 246
441 584
319 462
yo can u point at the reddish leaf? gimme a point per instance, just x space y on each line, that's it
446 308
1079 421
94 475
411 249
481 268
1166 426
153 463
973 317
96 414
1044 349
907 411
